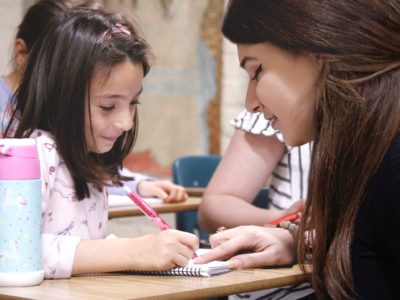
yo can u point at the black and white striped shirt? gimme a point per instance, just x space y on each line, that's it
289 180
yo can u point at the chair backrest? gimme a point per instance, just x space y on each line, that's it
261 199
195 170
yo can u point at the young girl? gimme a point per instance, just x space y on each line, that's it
35 21
328 71
78 97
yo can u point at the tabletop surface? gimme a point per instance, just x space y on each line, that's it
192 203
116 286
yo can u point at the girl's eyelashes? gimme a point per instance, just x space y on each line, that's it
257 72
107 108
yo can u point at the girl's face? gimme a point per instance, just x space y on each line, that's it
113 101
282 86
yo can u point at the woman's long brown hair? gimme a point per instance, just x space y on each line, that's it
357 110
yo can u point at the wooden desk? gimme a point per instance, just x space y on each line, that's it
159 287
128 211
195 192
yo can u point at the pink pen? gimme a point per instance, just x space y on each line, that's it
149 211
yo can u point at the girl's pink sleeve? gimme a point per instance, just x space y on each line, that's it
58 255
59 242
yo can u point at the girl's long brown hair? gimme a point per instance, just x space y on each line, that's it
357 110
56 83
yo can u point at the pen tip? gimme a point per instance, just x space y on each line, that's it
127 189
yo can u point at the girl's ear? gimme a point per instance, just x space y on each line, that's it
20 53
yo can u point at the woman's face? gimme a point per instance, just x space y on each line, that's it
113 102
282 87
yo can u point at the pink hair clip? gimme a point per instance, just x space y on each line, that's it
117 28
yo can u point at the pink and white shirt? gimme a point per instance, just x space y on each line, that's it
65 220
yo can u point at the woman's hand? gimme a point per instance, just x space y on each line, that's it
162 189
268 246
163 250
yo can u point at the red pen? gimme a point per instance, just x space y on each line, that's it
148 211
290 217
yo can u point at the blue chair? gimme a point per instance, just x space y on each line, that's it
193 171
261 200
196 171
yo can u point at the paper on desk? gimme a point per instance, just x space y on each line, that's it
202 251
120 200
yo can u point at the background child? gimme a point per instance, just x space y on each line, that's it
36 19
78 97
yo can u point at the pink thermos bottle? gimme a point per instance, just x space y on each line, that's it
20 213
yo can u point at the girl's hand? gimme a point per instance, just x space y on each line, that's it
162 189
268 246
163 250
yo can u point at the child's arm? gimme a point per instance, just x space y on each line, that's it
158 251
133 184
149 187
162 189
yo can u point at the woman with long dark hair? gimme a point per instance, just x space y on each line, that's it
328 72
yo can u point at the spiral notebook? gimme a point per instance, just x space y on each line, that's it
200 270
212 268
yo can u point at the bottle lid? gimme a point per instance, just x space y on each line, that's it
19 159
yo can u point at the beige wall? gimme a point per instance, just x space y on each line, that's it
169 118
169 115
169 121
10 16
234 85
